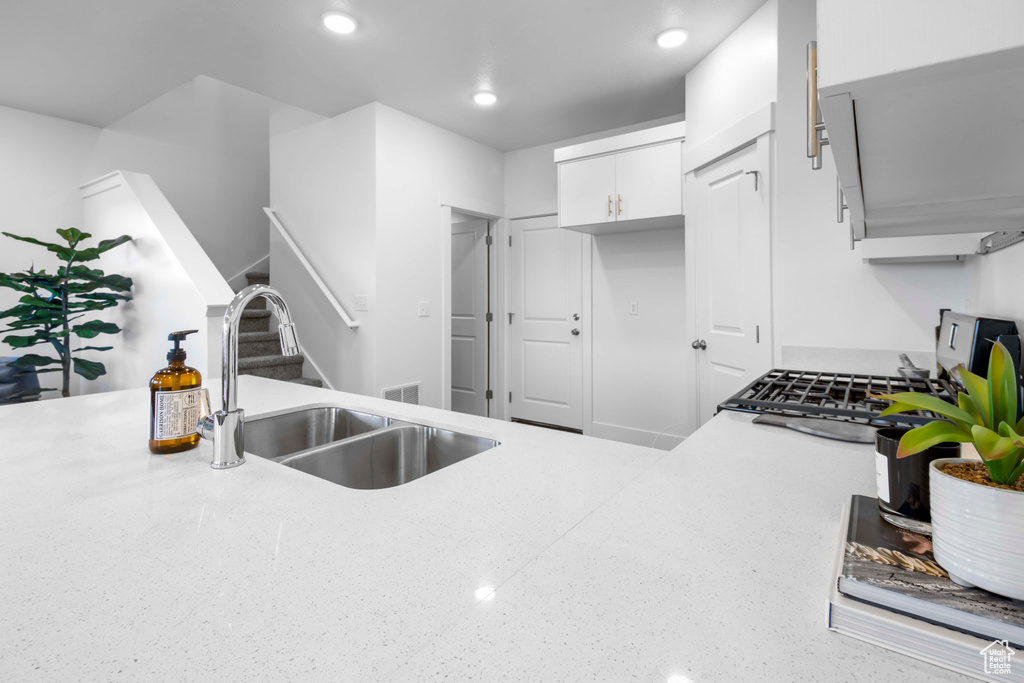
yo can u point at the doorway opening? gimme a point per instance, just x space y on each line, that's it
471 312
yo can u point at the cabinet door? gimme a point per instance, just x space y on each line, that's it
586 191
649 182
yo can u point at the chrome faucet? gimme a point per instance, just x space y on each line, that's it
226 427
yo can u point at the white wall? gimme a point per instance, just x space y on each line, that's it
418 166
176 287
736 79
323 187
825 296
206 144
639 360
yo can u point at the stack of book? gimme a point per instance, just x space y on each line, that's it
888 590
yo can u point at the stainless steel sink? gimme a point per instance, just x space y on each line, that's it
389 457
278 436
355 449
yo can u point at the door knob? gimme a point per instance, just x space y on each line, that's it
699 344
575 316
575 332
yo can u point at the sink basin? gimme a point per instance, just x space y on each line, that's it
278 436
389 457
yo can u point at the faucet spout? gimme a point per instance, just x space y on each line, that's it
226 427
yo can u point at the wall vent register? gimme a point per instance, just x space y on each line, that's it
407 393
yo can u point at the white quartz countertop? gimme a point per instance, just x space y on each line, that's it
608 562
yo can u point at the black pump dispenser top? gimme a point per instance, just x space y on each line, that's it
178 353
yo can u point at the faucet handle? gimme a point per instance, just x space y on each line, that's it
289 339
205 425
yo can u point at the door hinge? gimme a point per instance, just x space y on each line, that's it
490 317
490 241
489 394
510 397
510 240
509 318
758 333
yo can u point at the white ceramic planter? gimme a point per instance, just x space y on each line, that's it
977 532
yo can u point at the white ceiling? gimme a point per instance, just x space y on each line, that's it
560 68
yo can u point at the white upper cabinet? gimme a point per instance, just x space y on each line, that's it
619 185
586 191
922 103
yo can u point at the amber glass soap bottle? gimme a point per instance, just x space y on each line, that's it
175 402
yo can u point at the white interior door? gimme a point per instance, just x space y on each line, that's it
733 274
469 317
546 307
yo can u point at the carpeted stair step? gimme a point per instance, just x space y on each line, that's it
257 277
254 321
272 367
252 344
308 381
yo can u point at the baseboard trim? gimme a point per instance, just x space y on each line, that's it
639 437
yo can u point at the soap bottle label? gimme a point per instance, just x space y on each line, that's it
176 413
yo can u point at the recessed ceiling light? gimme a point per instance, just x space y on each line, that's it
674 37
485 98
339 23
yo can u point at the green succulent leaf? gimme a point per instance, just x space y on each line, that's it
924 437
967 404
93 328
1002 385
911 400
990 445
88 369
977 388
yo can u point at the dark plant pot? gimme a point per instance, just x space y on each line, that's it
902 483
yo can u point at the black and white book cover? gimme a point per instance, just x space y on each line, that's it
895 569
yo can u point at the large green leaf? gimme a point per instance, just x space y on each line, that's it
94 327
39 302
92 348
94 253
31 360
88 369
924 437
22 342
63 252
1002 385
73 235
990 445
96 279
9 281
912 400
105 296
977 389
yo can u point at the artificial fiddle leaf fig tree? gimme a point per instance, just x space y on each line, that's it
51 309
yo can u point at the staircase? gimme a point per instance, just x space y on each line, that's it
259 348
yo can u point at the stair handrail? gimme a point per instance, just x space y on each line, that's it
339 309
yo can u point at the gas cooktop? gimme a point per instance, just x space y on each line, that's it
834 396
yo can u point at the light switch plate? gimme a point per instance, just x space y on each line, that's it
362 303
424 309
634 307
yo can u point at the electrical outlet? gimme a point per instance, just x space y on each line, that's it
634 307
424 309
362 303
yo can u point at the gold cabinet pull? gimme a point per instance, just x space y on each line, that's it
620 204
609 205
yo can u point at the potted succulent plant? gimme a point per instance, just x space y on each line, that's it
977 508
